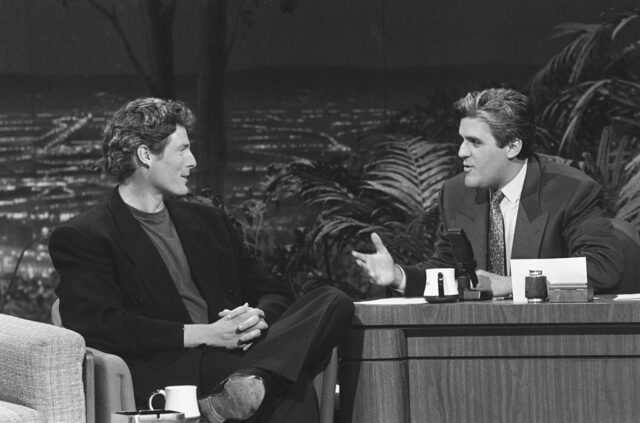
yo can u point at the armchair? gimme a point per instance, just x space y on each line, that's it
114 388
41 373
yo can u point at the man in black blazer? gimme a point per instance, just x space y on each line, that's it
544 210
165 284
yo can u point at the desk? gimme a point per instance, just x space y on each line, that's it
492 362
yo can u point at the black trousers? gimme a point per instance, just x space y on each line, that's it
295 348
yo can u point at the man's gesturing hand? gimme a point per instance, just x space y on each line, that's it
378 266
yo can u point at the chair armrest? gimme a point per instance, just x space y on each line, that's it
107 380
113 385
89 383
42 369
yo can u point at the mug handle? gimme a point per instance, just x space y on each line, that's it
153 394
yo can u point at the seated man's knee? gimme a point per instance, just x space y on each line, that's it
340 302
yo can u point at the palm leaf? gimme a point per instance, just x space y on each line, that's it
623 21
588 85
419 168
578 110
588 53
627 54
586 109
389 186
568 66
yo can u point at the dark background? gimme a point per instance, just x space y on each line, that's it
42 37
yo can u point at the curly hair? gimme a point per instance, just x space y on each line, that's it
508 113
143 121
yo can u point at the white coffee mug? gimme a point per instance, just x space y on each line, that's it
179 398
449 283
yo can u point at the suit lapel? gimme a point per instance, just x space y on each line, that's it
531 220
145 258
198 247
473 218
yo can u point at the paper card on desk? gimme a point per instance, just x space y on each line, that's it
559 272
627 297
395 301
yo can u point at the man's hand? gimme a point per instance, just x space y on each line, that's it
230 314
378 266
499 285
235 329
253 325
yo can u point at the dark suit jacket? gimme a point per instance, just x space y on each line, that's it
116 291
559 216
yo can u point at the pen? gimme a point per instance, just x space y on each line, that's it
505 297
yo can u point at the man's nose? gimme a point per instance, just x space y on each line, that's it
463 151
191 163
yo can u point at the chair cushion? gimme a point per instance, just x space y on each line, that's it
41 368
14 413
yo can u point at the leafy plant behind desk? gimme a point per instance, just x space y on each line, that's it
588 100
388 184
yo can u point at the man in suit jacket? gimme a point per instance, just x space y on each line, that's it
544 210
165 284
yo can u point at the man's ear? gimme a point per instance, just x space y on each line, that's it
144 155
514 147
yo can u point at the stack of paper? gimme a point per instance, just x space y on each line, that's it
567 285
394 301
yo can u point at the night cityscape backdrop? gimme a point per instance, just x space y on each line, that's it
300 85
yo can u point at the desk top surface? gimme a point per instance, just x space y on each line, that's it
603 310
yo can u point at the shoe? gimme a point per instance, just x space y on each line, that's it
238 397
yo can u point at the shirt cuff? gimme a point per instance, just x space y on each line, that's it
403 282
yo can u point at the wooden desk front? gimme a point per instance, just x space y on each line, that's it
492 362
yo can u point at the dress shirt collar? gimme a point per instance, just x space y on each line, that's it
513 189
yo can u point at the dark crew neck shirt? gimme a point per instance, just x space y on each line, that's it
162 232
